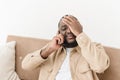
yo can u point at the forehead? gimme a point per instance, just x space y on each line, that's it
61 24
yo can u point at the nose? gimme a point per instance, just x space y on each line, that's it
68 30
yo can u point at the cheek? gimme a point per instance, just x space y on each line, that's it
62 32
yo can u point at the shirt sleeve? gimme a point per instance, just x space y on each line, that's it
94 53
33 60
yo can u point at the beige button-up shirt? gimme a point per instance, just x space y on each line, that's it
87 59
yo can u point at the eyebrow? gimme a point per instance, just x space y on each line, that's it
64 25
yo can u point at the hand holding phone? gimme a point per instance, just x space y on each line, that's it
53 45
60 39
56 42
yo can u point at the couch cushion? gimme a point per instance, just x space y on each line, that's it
7 61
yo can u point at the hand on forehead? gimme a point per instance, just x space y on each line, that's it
69 17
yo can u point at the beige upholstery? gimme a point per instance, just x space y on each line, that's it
26 45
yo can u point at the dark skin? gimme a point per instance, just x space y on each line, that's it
69 29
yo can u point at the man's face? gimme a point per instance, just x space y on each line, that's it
69 37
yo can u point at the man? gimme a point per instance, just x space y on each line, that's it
70 55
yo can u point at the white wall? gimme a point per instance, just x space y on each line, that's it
39 18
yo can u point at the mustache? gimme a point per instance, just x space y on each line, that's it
69 34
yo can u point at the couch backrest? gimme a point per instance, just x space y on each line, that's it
113 72
26 45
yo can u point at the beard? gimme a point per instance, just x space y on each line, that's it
69 45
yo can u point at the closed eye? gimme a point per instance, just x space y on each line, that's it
63 28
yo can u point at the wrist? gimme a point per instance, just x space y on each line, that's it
43 56
77 34
46 52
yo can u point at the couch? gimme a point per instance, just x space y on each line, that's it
26 45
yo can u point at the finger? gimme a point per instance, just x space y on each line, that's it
73 18
58 32
68 18
67 22
61 38
57 40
